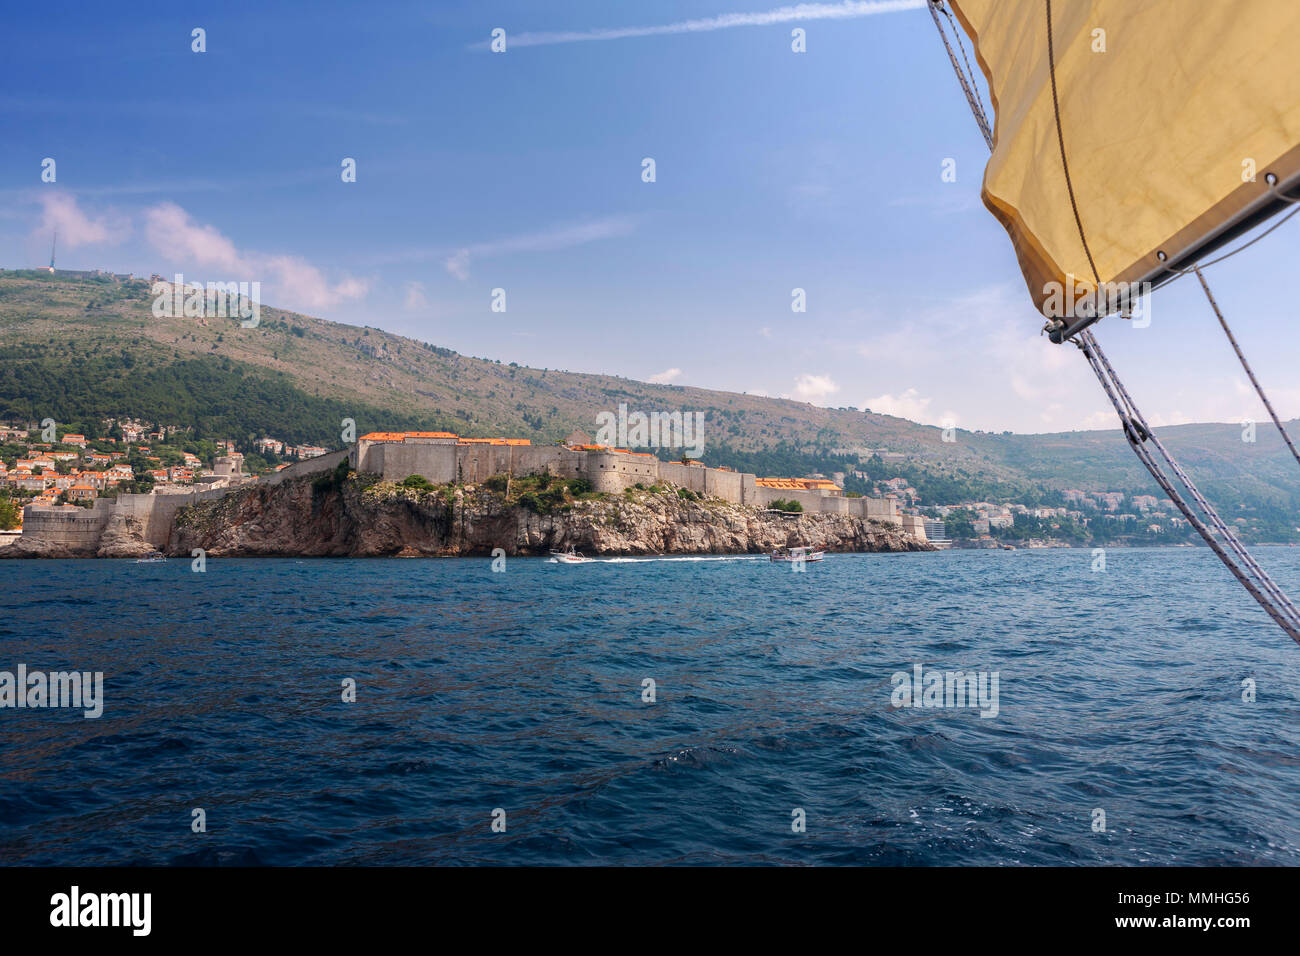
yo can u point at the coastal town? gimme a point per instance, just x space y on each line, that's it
73 469
69 467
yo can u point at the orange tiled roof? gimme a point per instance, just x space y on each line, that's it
493 441
798 484
820 484
399 436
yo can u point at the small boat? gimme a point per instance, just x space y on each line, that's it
568 557
154 557
796 554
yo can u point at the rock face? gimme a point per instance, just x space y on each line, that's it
123 537
362 517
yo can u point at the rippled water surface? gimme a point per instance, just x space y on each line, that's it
522 690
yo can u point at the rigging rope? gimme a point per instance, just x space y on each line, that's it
1259 389
1240 563
1244 568
967 86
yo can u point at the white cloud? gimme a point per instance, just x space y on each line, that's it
59 211
561 237
415 300
292 280
172 232
907 404
814 389
788 14
303 284
665 377
458 264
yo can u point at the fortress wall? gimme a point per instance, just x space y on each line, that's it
613 473
567 463
309 466
881 509
687 476
534 459
914 525
157 513
479 462
609 472
722 484
476 462
564 462
834 504
765 496
815 502
396 462
154 512
76 528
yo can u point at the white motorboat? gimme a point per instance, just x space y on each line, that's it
568 557
796 555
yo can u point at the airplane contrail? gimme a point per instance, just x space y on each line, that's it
848 9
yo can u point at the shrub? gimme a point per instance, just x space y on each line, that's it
332 480
579 486
781 504
496 483
687 495
530 501
417 482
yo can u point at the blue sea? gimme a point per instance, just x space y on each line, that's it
520 697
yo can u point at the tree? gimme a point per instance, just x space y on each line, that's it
10 513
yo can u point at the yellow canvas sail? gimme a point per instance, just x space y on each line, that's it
1171 115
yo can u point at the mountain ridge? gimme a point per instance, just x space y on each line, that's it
56 330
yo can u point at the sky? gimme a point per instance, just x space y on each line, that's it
524 171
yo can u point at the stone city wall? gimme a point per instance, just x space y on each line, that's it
612 472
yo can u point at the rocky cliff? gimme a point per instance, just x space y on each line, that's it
361 517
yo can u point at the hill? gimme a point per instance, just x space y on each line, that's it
77 348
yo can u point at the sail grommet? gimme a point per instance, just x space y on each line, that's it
1160 254
1272 180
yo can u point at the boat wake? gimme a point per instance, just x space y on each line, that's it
690 557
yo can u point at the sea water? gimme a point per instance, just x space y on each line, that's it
653 712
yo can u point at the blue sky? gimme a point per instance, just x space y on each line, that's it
522 171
